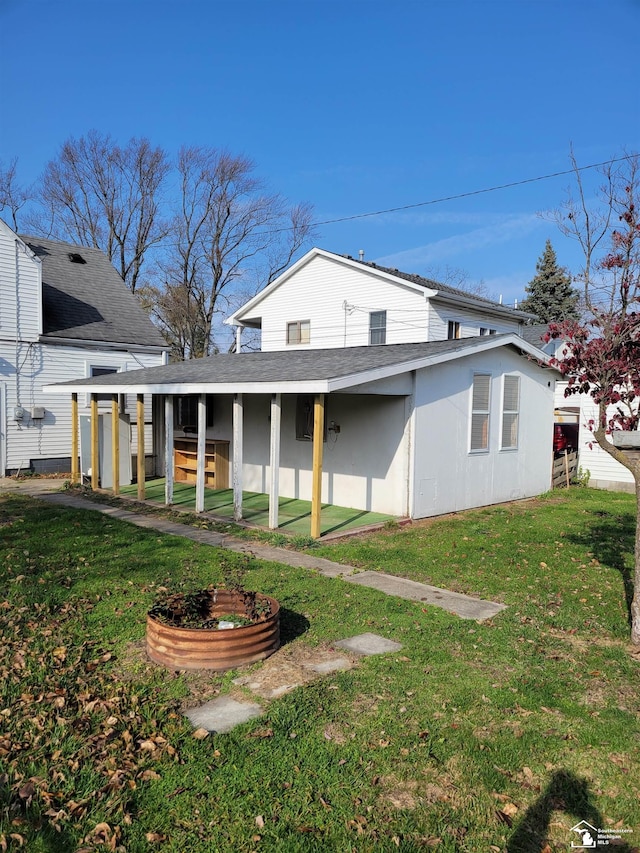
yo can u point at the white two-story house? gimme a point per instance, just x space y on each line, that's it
65 313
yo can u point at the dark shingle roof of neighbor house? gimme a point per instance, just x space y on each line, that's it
533 333
85 299
297 366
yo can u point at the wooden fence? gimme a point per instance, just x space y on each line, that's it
565 468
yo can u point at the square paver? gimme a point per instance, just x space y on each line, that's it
328 666
222 714
369 644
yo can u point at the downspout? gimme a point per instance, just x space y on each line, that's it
17 279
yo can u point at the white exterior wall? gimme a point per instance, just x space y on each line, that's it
604 472
50 437
447 476
20 290
470 321
364 466
318 292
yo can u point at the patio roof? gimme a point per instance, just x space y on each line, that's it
311 371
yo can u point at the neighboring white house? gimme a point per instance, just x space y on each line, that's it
576 412
327 300
65 313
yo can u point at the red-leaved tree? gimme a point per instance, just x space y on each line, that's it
602 353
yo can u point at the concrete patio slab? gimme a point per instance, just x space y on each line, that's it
464 606
222 714
369 644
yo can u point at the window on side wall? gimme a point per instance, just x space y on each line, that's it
485 331
510 412
299 332
96 370
480 404
304 418
185 412
377 328
453 330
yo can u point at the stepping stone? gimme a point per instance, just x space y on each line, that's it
222 714
328 666
369 644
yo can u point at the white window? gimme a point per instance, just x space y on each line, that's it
453 330
96 370
377 327
480 403
510 412
485 331
299 332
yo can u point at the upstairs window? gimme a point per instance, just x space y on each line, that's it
299 332
486 331
453 330
377 328
480 404
510 412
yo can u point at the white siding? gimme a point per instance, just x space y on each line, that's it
40 365
448 477
604 472
318 292
20 289
470 321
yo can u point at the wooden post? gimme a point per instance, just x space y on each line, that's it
316 488
140 458
115 443
168 449
274 460
95 454
75 468
237 457
201 451
566 468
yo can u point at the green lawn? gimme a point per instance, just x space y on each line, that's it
498 736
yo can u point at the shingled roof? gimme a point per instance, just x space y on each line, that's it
85 299
325 369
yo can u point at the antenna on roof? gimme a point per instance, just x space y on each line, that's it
361 254
500 300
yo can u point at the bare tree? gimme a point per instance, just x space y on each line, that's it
13 197
96 193
228 235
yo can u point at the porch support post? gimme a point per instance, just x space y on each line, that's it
140 458
168 449
75 470
316 488
115 444
95 454
237 456
274 486
201 451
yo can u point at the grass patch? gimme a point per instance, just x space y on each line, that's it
475 737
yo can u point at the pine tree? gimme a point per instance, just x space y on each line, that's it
550 295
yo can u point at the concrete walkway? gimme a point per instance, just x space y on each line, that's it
464 606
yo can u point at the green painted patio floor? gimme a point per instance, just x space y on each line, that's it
294 516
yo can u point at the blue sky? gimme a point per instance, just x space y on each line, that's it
353 105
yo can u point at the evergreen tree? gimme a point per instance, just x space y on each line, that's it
550 295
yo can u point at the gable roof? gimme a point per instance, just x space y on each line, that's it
430 288
84 298
311 371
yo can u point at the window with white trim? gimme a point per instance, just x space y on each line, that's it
453 330
96 370
299 332
485 331
510 412
480 406
377 328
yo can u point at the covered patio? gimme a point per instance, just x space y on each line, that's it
294 515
